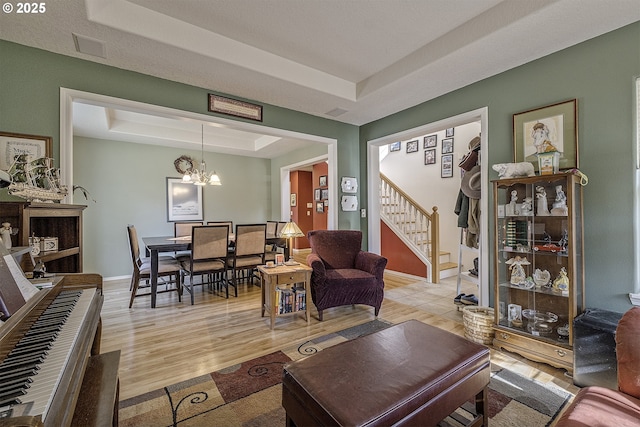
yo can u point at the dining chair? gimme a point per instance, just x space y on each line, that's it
167 267
227 223
271 248
272 227
183 229
209 255
249 250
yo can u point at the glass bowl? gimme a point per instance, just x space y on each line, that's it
539 322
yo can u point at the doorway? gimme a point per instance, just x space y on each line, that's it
373 167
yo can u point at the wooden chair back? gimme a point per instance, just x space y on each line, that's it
227 223
209 242
182 229
272 227
279 228
250 239
134 246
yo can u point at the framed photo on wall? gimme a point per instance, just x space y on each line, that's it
412 146
446 168
13 144
449 132
430 141
430 156
294 199
447 145
547 129
395 146
323 180
317 194
320 207
184 201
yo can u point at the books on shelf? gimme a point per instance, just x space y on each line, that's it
289 300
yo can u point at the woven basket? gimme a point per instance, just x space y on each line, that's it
478 324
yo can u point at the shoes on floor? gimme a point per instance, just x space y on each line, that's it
457 300
469 299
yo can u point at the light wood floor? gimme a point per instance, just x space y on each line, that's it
177 341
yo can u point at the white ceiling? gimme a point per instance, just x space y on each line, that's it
369 58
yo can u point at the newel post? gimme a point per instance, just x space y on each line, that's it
435 245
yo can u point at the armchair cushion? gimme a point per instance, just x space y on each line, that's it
628 352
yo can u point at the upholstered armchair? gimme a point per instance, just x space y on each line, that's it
343 274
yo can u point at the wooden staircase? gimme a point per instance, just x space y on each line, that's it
417 228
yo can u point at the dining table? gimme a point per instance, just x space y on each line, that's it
159 244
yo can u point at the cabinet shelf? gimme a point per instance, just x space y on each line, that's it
546 291
48 220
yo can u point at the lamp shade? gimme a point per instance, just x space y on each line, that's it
290 230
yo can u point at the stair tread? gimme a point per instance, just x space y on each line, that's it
448 265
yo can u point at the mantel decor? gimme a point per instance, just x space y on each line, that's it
233 107
547 129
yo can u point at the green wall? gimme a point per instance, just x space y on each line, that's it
600 74
30 80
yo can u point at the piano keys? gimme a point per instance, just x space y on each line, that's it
46 347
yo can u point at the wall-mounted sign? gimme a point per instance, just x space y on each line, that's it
233 107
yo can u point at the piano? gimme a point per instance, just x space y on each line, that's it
51 370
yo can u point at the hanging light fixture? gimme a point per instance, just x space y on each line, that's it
201 176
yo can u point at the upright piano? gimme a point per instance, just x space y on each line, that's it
51 370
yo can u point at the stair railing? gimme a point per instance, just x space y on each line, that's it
417 228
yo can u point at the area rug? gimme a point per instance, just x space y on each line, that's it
249 394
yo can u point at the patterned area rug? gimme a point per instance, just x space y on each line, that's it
249 394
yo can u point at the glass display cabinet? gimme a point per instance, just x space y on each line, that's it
538 266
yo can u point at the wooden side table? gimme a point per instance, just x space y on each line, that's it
282 275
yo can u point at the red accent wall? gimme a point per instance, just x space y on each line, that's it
399 256
301 187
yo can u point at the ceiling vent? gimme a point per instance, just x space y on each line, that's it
89 46
336 112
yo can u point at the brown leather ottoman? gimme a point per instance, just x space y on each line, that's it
410 374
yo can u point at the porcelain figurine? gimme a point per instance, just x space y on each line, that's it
541 195
562 281
518 275
527 206
560 204
5 232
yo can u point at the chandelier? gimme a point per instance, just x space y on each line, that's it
201 176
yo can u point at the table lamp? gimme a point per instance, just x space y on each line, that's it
289 231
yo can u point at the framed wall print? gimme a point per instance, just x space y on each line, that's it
449 132
184 201
395 146
412 146
349 203
446 167
324 194
294 199
317 193
430 156
320 207
547 129
447 145
430 141
323 181
13 144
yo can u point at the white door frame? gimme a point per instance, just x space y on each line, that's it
373 179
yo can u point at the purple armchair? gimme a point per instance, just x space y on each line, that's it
343 274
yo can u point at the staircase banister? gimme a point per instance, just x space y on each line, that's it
408 198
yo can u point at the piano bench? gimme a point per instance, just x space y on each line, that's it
99 395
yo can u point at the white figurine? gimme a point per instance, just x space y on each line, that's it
560 204
513 170
541 195
527 206
518 276
6 231
512 206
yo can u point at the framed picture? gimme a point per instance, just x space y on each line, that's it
319 207
184 201
446 167
317 195
447 145
294 199
279 259
412 146
430 156
395 146
550 128
13 144
448 133
323 180
325 194
430 141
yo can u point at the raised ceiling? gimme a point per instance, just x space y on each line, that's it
354 61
